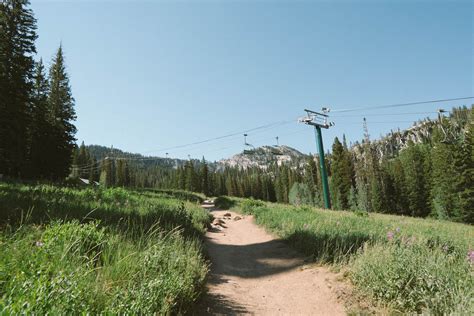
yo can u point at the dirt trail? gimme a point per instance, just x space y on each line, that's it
253 273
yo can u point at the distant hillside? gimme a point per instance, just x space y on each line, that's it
453 126
262 157
100 152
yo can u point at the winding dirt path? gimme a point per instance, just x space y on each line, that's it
253 273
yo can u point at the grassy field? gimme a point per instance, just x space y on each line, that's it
110 251
407 264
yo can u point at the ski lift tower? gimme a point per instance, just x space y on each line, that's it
320 120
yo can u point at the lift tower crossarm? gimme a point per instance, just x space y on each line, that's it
311 120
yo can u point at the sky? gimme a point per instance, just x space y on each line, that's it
148 76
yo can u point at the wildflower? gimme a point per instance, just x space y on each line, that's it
39 244
398 229
390 235
445 248
470 256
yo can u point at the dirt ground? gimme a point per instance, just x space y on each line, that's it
254 273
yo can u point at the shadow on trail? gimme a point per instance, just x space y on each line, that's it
217 304
252 260
244 261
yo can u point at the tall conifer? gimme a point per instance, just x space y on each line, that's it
17 46
61 106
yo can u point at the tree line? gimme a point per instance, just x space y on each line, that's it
432 176
36 104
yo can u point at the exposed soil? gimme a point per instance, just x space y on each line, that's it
254 273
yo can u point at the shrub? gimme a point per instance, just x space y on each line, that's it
180 194
248 206
224 202
72 238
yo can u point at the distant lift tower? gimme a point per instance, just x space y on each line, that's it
320 120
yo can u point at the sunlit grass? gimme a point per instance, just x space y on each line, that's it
110 251
410 264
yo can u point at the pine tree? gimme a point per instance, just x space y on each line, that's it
443 180
126 174
61 108
17 46
204 177
120 173
106 178
415 162
93 174
40 128
230 186
182 178
341 175
464 166
190 176
375 176
312 180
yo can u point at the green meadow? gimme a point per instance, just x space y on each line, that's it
110 251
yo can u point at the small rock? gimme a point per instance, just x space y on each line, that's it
237 218
218 221
227 215
215 228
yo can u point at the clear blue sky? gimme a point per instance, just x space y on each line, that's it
148 75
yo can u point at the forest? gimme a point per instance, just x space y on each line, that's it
37 132
431 175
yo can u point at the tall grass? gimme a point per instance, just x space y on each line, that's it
109 251
409 264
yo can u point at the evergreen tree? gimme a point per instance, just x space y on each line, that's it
415 163
230 186
120 173
341 179
300 194
61 108
312 180
400 201
204 177
464 166
443 180
40 128
190 176
93 174
106 178
17 46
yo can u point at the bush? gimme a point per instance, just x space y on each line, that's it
224 202
248 206
75 239
180 194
